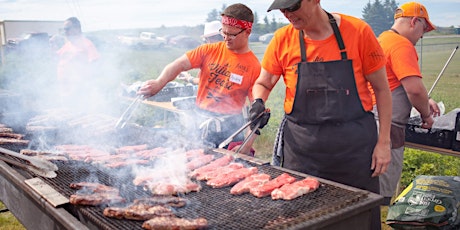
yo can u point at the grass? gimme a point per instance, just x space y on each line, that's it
8 221
129 66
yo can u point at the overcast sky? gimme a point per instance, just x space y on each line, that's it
112 14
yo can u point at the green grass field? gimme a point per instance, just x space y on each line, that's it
127 66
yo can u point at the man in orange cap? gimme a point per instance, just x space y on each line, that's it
405 81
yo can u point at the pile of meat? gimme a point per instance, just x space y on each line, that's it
155 211
8 137
125 156
224 172
65 119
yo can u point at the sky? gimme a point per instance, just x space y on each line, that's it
112 14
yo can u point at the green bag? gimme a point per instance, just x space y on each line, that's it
429 202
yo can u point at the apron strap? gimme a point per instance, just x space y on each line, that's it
303 51
338 36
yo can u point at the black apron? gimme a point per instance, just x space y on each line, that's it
328 134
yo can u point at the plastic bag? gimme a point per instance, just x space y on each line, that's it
429 202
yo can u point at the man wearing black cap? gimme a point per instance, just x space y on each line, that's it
327 60
228 70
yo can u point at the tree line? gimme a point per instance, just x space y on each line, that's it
378 14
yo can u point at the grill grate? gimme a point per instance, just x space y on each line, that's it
218 206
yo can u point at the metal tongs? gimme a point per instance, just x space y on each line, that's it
128 113
256 127
37 166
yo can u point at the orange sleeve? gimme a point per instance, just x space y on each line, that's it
401 56
226 78
283 54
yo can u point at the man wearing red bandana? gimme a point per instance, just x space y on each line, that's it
228 70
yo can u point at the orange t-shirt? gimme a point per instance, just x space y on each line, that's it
74 59
283 54
226 78
401 56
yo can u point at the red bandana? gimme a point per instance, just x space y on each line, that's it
236 22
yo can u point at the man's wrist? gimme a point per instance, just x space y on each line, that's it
259 100
425 117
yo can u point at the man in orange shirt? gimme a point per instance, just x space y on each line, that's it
328 130
76 66
405 80
228 71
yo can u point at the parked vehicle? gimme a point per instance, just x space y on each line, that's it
184 41
144 40
266 38
29 41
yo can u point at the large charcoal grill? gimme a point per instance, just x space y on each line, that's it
332 206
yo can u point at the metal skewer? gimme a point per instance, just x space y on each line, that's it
124 118
442 71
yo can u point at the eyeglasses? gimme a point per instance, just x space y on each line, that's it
425 26
228 35
292 8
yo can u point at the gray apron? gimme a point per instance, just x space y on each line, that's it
328 134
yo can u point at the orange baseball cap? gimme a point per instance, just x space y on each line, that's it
414 9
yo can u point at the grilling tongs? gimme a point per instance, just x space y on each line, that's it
230 138
128 113
38 166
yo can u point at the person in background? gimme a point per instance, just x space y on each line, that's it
228 71
328 130
211 34
76 65
405 81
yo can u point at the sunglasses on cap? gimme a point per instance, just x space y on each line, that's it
293 8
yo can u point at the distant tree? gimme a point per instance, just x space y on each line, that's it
266 22
379 16
256 25
273 24
213 16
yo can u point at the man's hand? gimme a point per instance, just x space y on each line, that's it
150 88
381 158
257 108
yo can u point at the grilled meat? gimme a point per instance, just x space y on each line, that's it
30 152
211 174
266 189
175 223
131 149
90 187
6 130
12 135
296 189
223 161
172 201
199 161
249 182
13 141
231 178
169 188
96 199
